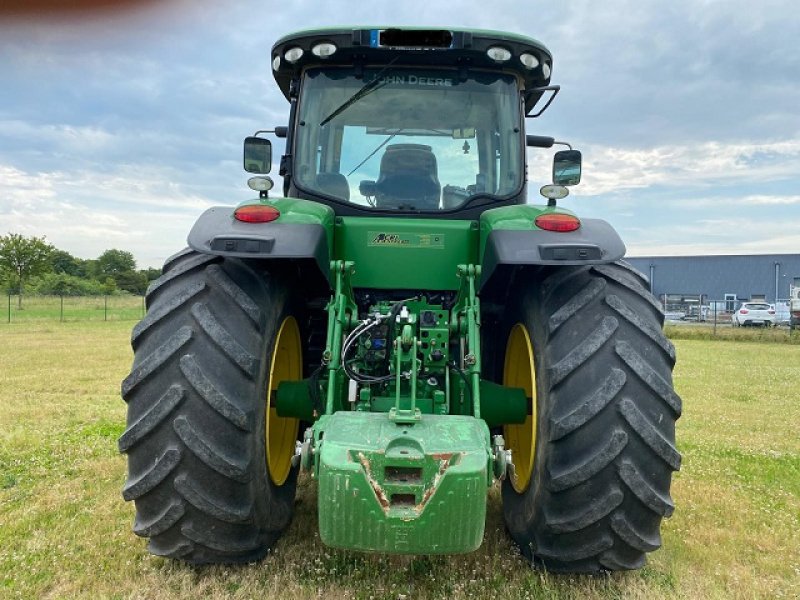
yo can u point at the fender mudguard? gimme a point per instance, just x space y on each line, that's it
596 242
217 232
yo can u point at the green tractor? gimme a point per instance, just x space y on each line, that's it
404 328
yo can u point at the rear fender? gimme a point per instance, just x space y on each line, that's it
303 233
510 240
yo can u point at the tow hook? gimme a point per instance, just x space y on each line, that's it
304 452
502 458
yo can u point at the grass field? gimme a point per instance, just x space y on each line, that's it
65 530
123 307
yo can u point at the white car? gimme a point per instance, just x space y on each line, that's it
754 313
782 313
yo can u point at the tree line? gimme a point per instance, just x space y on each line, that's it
33 265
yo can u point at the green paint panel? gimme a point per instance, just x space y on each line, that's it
518 218
303 212
412 254
405 489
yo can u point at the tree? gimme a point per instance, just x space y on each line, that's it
109 285
113 262
151 273
5 280
120 266
91 269
134 282
61 284
64 262
24 258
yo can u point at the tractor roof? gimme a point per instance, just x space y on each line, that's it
414 46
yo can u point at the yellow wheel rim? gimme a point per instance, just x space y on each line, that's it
281 432
519 371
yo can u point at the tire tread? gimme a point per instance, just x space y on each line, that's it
197 471
147 481
152 418
606 448
224 340
212 457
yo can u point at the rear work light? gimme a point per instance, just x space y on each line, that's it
292 55
499 54
256 213
557 222
528 60
323 49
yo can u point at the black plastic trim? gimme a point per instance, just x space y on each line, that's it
596 242
217 232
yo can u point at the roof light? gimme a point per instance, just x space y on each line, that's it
559 222
529 61
546 71
256 213
276 63
323 50
498 54
292 55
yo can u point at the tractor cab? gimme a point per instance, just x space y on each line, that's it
408 121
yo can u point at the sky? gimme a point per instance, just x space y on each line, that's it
119 127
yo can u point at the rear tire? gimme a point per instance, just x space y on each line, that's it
196 435
602 437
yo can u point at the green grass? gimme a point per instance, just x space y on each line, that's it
726 332
65 530
71 308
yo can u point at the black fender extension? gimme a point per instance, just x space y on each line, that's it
217 232
595 242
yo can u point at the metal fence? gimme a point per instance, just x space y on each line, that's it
73 308
699 309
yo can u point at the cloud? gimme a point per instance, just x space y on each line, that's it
743 232
617 169
742 201
761 245
128 126
87 213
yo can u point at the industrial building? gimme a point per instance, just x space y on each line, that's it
719 278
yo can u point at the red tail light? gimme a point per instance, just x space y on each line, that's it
256 213
557 222
743 311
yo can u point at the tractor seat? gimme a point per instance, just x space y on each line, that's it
334 184
408 178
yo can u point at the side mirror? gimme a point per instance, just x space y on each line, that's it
567 167
257 155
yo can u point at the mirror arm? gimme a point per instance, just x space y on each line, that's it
279 131
541 90
539 141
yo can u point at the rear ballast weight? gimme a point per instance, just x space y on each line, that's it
403 327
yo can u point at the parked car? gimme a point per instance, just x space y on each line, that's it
782 313
754 313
